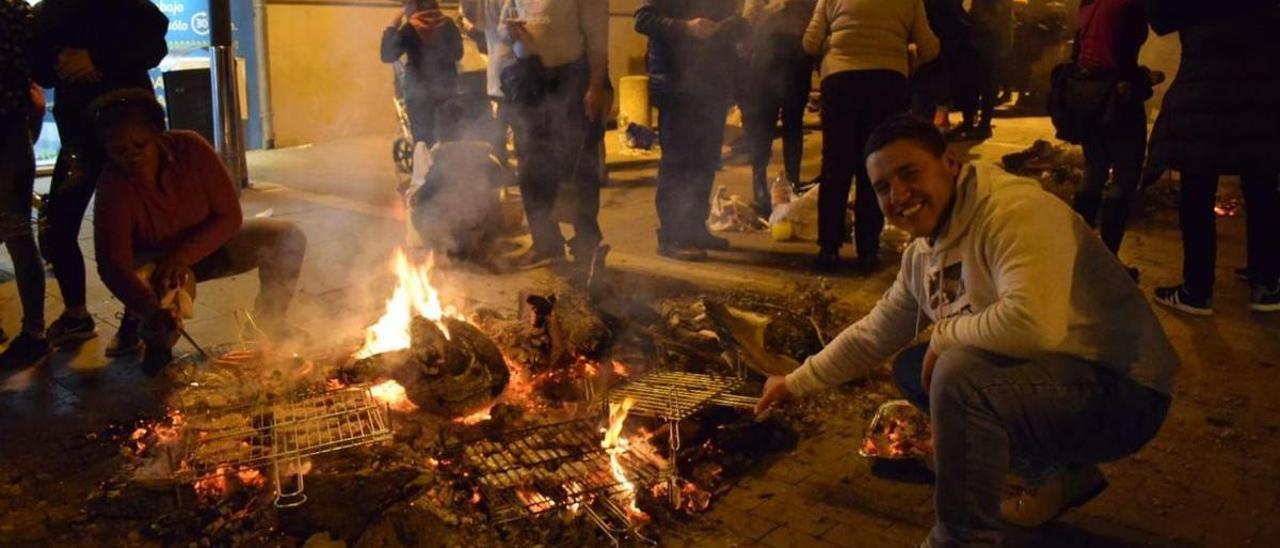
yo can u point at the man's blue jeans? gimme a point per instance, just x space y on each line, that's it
991 413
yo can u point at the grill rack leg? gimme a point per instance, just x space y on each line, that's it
293 498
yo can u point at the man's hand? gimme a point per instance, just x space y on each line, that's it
926 372
169 275
775 391
75 65
597 102
700 27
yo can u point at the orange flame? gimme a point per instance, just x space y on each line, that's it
392 393
616 445
414 296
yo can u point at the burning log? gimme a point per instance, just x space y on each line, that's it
773 344
452 369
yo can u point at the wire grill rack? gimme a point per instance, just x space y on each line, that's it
529 472
222 441
675 395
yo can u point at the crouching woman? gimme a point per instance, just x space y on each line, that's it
167 207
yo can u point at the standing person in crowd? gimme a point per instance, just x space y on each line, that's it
1219 117
487 15
1112 32
1044 359
166 205
863 44
932 83
560 97
17 176
692 48
431 46
991 27
85 49
780 76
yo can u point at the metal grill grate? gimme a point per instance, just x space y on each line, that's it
675 395
224 440
525 473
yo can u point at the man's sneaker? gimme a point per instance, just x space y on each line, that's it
682 252
1177 298
1040 505
1265 299
24 351
155 359
127 341
67 329
709 241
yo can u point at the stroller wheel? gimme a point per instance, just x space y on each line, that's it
402 155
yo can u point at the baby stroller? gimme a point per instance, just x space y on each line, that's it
402 147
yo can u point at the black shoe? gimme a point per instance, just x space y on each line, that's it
868 264
127 341
709 241
155 359
1263 299
67 329
983 131
828 260
682 252
25 351
1179 299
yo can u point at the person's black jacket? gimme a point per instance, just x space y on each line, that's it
125 39
431 67
679 63
1219 114
949 22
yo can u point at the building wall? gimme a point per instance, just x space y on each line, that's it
327 81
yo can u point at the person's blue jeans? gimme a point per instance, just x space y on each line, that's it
992 413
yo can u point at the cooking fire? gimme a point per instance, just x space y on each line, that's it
471 422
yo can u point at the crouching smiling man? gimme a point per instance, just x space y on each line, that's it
1044 359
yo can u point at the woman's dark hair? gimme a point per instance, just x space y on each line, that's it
906 126
118 108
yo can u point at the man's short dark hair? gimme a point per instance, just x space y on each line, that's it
909 127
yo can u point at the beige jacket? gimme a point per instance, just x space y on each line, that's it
869 35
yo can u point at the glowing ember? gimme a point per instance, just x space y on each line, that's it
251 477
414 296
475 418
334 384
536 502
392 393
616 445
620 370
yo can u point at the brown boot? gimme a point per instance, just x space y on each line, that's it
1040 505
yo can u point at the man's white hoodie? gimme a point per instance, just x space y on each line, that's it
1016 272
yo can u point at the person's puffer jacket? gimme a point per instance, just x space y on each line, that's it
125 39
680 63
